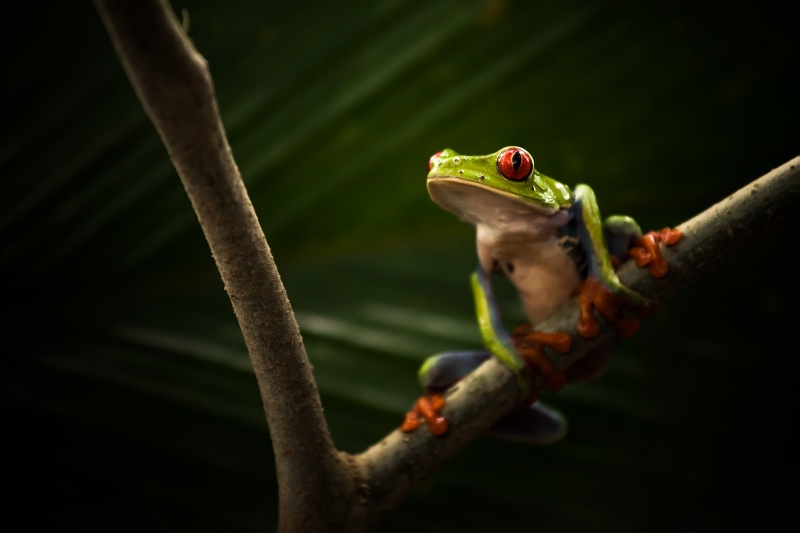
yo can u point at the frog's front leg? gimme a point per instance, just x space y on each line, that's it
522 351
606 245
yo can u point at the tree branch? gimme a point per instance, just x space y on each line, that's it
173 83
398 463
321 489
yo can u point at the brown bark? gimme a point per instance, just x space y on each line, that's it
321 489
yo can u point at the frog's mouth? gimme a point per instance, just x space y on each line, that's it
475 202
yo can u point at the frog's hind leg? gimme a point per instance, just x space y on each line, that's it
437 374
624 239
532 424
622 233
595 296
426 408
441 371
529 344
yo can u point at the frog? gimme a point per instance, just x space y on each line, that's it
552 244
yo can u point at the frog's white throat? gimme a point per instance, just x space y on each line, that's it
494 212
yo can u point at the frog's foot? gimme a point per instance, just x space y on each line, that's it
559 341
594 295
437 374
591 366
426 408
647 251
528 344
531 424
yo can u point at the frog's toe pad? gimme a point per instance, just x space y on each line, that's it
426 408
647 251
534 424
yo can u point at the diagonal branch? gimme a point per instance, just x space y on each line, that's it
321 489
397 464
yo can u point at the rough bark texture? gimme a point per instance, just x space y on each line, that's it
398 463
321 489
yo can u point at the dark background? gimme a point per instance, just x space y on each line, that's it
126 396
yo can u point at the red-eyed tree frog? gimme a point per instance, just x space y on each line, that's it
552 244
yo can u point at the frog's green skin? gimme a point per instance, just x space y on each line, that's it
543 236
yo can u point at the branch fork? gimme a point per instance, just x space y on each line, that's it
320 488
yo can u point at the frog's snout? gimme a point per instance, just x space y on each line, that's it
433 160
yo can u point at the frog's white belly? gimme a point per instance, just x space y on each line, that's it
543 273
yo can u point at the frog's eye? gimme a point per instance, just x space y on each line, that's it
433 158
515 164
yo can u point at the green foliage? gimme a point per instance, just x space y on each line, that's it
127 397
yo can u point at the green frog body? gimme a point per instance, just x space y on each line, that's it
552 244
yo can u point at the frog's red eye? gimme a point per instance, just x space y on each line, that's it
515 164
435 156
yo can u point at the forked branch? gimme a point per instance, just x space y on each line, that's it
709 240
321 489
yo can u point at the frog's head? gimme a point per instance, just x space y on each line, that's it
462 183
